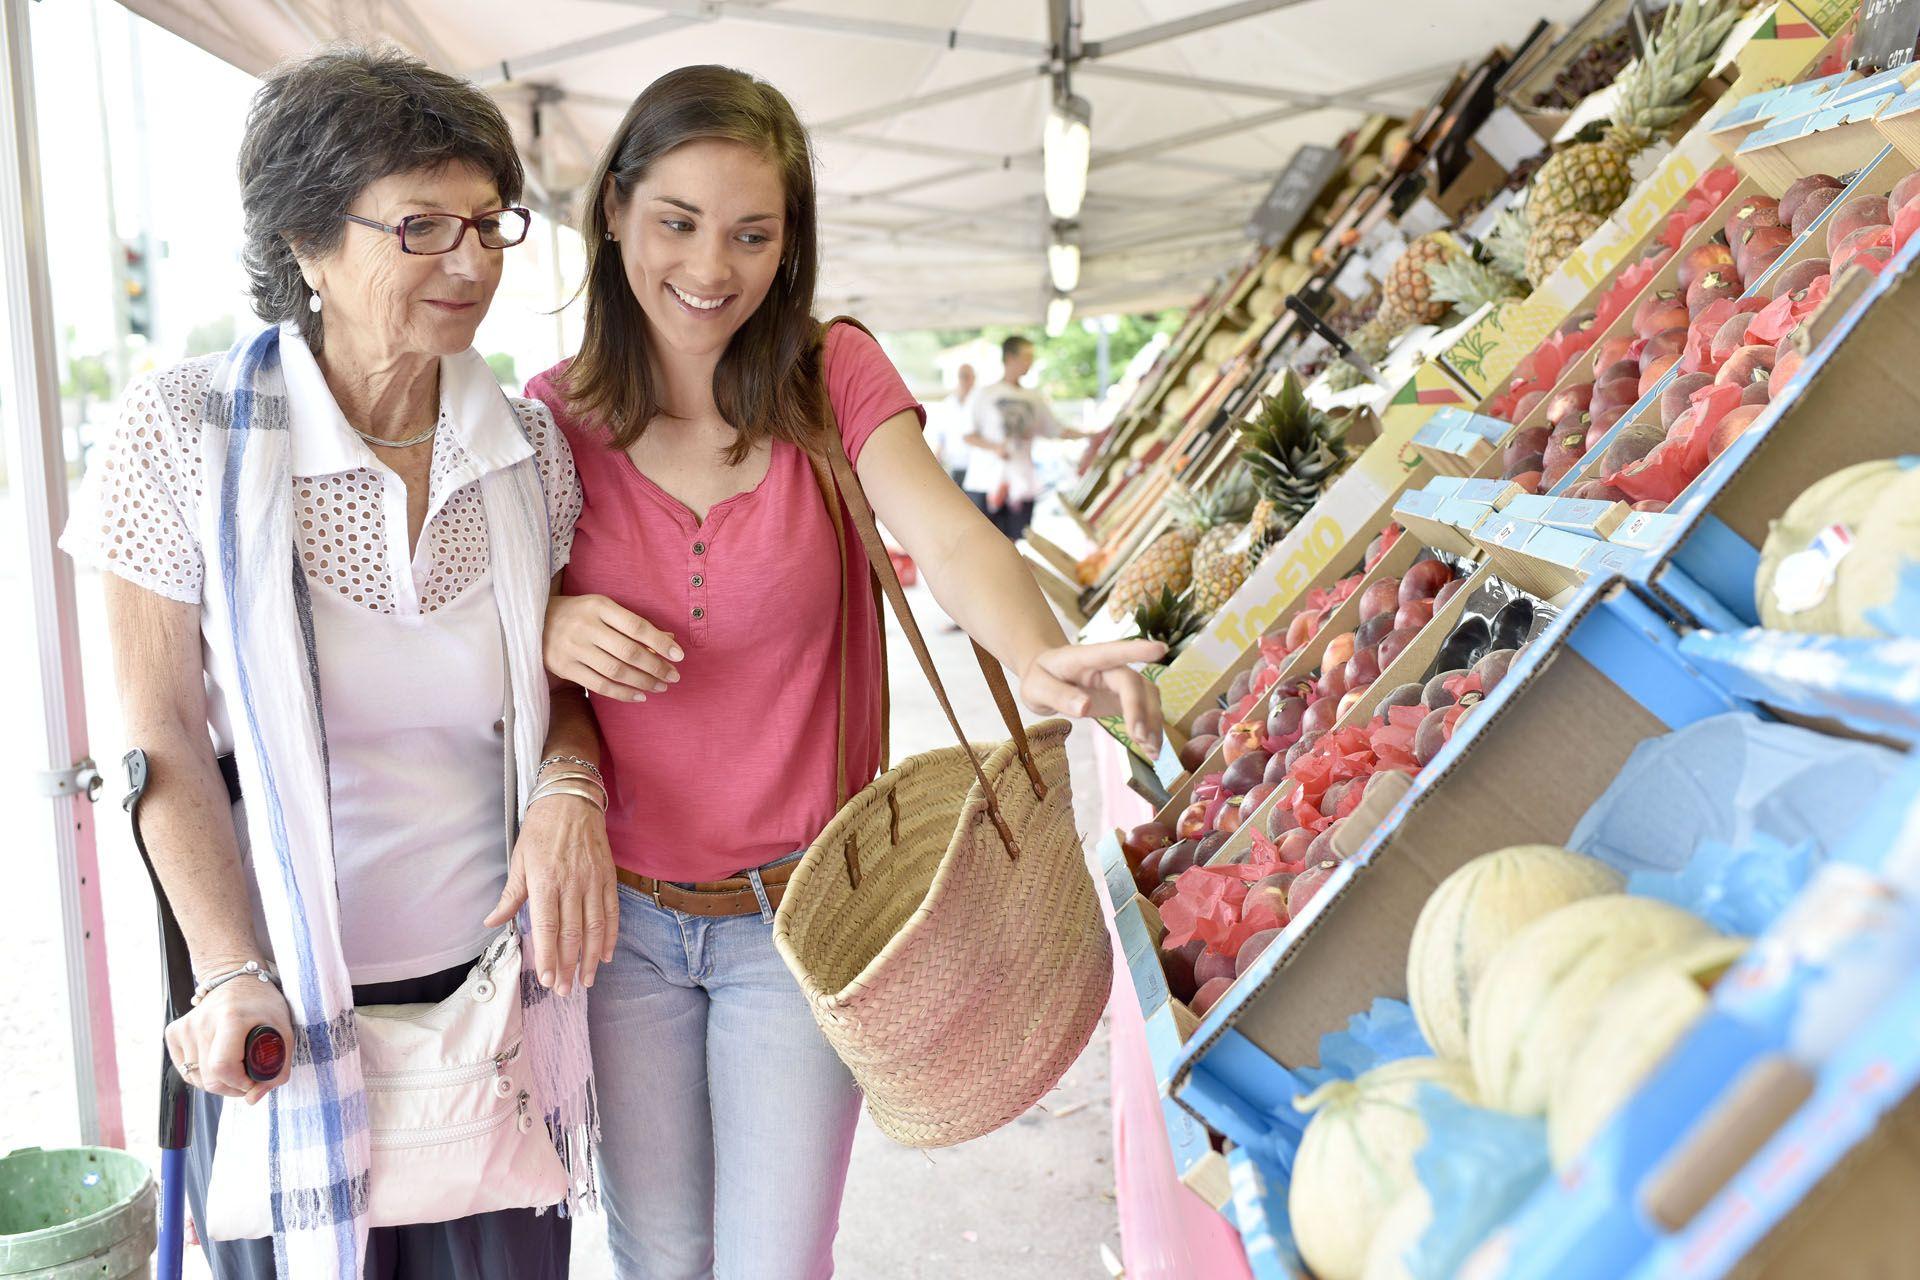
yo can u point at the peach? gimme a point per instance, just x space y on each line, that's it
1812 208
1258 796
1527 403
1351 699
1319 717
1620 391
1628 447
1528 441
1529 481
1179 964
1338 650
1241 686
1851 247
1565 449
1785 365
1861 211
1448 592
1674 400
1412 616
1655 313
1610 352
1650 504
1245 773
1303 746
1754 211
1333 681
1209 995
1748 364
1179 855
1799 277
1424 580
1650 377
1618 369
1760 249
1730 337
1596 491
1196 750
1707 257
1406 695
1250 949
1492 667
1239 740
1579 323
1207 722
1397 641
1363 668
1571 400
1731 427
1604 420
1295 843
1430 736
1711 286
1379 598
1521 466
1211 966
1371 632
1904 193
1301 629
1668 342
1756 393
1307 886
1873 259
1800 189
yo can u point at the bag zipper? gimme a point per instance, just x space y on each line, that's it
431 1077
397 1139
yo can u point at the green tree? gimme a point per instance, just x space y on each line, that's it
1070 364
503 369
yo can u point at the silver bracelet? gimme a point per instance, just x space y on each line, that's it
251 969
566 789
588 765
571 775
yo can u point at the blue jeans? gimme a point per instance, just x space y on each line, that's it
726 1118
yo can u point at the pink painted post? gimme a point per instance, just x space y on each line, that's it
1166 1231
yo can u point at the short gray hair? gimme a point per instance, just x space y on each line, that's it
322 129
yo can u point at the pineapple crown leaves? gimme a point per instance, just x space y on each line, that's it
1290 447
1169 618
1654 91
1468 283
1506 241
1228 503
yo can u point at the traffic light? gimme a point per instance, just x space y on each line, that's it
139 284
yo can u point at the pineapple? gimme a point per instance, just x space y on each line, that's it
1469 285
1292 450
1506 242
1169 618
1219 518
1554 239
1407 293
1595 177
1168 563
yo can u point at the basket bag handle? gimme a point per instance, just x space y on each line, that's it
839 485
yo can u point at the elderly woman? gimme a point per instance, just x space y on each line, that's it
328 553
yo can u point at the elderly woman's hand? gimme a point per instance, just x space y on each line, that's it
1098 680
562 867
608 650
208 1044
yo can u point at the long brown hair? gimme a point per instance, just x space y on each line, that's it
765 385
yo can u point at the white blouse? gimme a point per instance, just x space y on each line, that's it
412 677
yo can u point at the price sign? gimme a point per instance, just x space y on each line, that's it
1887 34
1293 193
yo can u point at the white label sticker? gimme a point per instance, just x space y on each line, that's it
1804 578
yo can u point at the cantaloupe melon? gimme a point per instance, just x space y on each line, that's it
1641 1018
1884 558
1356 1158
1472 915
1537 996
1399 1232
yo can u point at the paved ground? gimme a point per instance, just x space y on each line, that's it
1034 1200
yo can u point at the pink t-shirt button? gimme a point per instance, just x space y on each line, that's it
699 614
699 548
699 581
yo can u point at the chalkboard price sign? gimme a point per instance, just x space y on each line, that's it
1887 33
1293 193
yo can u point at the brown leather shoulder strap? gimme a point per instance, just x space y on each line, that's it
853 496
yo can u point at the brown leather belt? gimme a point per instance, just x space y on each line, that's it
731 897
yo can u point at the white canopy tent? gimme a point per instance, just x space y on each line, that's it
928 118
927 114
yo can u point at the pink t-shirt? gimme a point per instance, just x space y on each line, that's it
733 767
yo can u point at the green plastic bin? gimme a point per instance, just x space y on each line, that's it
79 1211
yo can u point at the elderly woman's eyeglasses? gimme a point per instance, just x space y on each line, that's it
431 233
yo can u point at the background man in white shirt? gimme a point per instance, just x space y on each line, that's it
1007 418
948 423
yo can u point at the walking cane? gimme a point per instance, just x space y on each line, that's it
265 1049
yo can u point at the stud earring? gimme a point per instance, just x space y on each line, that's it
607 234
313 302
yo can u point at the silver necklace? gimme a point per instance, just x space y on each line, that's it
381 442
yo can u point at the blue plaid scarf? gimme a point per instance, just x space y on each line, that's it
259 613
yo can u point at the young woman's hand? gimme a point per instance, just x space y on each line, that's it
562 867
608 650
208 1044
1098 680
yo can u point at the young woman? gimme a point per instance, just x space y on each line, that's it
700 611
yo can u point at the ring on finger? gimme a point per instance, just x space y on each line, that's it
188 1068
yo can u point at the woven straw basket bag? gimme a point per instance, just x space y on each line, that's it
945 927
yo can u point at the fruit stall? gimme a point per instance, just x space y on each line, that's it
1528 884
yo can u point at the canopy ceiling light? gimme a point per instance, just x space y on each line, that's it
1067 149
1063 265
1059 312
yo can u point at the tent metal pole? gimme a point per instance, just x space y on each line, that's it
1178 27
70 778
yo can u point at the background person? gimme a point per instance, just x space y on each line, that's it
1007 419
949 422
702 614
378 198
